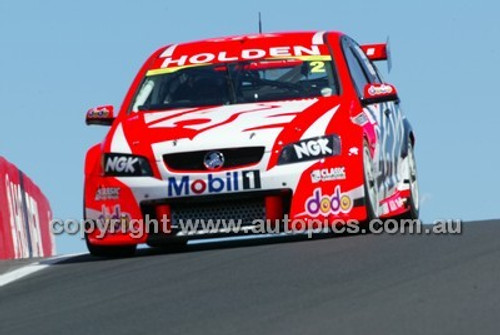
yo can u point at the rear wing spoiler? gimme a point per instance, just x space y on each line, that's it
378 52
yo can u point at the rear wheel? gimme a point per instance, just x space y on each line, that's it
412 179
370 185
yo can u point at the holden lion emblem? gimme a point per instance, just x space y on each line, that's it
214 160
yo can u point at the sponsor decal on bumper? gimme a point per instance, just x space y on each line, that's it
107 193
214 183
330 174
114 221
325 204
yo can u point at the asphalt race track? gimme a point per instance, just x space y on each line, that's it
337 285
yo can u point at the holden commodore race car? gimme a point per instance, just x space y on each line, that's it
251 128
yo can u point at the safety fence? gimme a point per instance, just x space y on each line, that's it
25 216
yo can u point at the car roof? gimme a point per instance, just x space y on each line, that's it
264 37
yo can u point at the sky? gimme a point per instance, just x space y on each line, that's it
59 58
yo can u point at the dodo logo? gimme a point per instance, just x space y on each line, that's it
319 204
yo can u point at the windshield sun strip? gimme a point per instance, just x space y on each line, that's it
155 72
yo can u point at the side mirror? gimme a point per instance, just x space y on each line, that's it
102 115
377 93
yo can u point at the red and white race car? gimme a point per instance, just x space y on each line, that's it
251 128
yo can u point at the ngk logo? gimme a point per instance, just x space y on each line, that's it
313 148
121 164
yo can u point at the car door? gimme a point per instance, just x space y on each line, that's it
393 127
385 114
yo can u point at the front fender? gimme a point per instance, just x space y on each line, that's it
93 161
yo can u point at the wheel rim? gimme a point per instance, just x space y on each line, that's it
370 180
413 177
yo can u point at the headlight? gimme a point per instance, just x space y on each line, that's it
310 149
124 165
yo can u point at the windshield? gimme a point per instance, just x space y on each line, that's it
240 82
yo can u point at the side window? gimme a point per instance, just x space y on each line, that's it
357 73
368 66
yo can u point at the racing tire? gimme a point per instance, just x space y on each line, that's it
370 185
413 200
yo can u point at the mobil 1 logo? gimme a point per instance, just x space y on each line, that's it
251 180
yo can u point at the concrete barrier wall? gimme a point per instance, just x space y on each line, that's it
25 216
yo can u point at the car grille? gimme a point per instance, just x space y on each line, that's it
233 158
246 211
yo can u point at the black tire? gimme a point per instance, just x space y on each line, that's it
371 208
412 179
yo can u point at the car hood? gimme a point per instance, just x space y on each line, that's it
264 124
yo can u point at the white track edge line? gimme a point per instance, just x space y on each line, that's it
29 269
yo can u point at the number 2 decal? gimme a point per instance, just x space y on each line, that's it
317 67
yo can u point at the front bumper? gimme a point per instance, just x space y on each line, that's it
283 191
